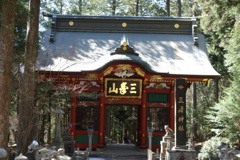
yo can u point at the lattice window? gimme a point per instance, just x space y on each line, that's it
158 97
157 118
87 117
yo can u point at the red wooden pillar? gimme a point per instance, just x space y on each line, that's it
171 125
101 137
73 113
139 122
143 123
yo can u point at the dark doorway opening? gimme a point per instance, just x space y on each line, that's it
122 124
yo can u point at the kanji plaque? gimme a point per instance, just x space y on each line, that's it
126 88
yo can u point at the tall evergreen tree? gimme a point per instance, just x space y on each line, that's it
137 7
221 22
168 7
114 3
189 8
6 52
179 2
27 110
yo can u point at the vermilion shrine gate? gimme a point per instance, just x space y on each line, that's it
125 61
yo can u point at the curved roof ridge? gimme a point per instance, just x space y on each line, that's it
161 47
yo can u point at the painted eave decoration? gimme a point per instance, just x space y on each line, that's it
160 45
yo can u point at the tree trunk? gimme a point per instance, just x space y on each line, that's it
42 127
6 53
137 7
27 111
49 127
194 107
216 90
59 4
80 4
195 8
114 3
179 8
168 7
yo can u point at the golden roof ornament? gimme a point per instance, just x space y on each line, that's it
124 48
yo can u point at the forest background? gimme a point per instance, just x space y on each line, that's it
26 105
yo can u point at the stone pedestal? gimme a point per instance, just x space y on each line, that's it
3 154
81 155
58 141
32 150
167 142
181 154
68 142
62 156
220 153
150 131
90 135
150 154
21 157
69 147
45 152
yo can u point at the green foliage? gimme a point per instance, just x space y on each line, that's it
152 8
221 21
18 52
46 91
225 115
105 7
233 56
209 149
205 99
218 19
20 30
48 98
188 8
126 126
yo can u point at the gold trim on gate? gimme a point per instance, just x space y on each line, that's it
108 71
124 66
140 72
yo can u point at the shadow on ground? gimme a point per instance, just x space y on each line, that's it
119 152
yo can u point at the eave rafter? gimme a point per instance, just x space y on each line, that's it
76 79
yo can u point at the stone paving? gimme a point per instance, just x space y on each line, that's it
119 152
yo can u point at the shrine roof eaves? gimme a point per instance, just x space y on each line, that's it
119 24
163 45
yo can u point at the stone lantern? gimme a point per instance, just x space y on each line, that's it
150 131
57 141
90 135
21 157
44 153
3 154
225 151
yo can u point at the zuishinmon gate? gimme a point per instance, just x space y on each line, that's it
145 63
